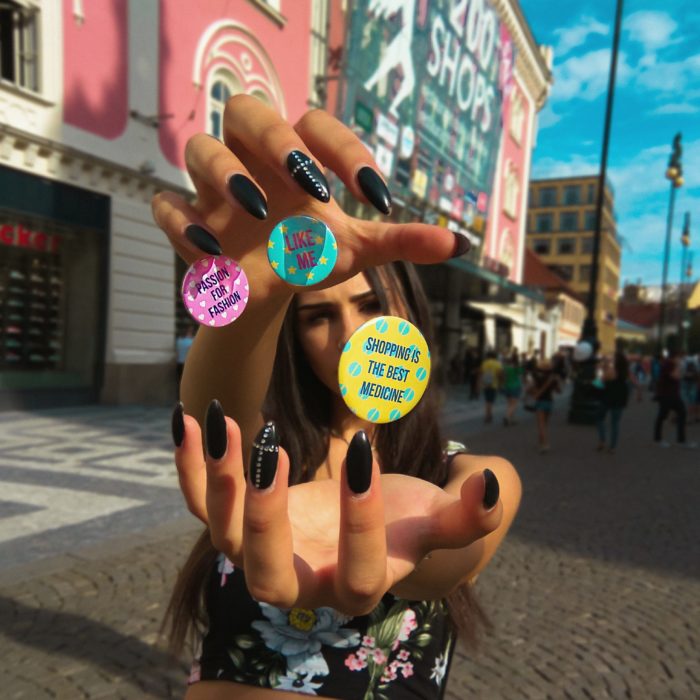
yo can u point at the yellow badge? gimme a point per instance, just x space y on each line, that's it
384 369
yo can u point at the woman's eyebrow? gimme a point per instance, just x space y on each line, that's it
358 297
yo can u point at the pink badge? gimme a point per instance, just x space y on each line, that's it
215 291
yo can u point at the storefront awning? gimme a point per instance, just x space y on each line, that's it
474 269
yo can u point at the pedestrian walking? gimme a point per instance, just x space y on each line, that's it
512 385
490 381
337 580
668 395
689 386
544 381
613 398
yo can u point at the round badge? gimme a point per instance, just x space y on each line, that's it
215 291
302 250
384 369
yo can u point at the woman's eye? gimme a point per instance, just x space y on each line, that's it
318 317
371 307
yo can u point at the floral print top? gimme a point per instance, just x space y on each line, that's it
400 650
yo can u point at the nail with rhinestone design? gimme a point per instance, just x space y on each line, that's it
263 457
307 174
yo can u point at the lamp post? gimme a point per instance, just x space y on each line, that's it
685 241
584 406
674 173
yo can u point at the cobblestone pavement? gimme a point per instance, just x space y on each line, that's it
595 594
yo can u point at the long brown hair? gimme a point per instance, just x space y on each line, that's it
300 405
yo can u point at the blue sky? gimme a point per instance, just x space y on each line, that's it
657 94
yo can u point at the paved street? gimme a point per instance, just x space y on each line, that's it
596 593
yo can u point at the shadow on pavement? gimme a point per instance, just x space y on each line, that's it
70 637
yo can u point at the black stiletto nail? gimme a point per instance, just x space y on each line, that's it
374 189
202 239
215 433
358 463
263 457
307 174
462 245
248 195
491 489
177 424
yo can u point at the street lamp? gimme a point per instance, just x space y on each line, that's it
685 241
674 173
584 405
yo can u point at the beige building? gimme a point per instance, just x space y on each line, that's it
560 230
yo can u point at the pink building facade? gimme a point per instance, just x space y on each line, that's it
95 112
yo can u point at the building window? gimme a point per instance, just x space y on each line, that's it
591 193
542 247
587 244
566 246
589 221
543 223
572 194
564 271
19 45
512 190
548 196
223 86
568 221
584 273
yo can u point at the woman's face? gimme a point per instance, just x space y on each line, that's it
326 318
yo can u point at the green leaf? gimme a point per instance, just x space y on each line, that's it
244 641
236 657
422 640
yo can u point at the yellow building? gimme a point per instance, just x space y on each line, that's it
560 229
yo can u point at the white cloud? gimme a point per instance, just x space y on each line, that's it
547 117
651 29
586 76
574 165
574 37
677 108
667 76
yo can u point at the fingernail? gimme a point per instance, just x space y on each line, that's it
263 457
215 433
375 189
462 245
358 463
178 424
491 489
202 239
307 174
248 195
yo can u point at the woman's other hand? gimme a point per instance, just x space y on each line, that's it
245 186
342 544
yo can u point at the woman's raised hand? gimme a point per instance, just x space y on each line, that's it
332 543
245 186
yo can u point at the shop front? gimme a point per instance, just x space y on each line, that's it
53 289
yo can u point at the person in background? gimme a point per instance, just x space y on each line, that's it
689 386
182 347
490 380
544 382
471 373
614 397
640 376
512 385
668 394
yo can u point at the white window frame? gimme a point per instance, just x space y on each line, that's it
18 80
229 79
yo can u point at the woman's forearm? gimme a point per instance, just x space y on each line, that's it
234 364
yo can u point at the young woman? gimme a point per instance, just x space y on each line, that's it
325 569
614 397
512 385
544 381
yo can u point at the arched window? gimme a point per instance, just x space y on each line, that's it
222 86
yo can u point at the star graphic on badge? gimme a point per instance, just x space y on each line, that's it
309 275
335 246
274 264
270 244
283 228
286 250
319 240
322 260
291 269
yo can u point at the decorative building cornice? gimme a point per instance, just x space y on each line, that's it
56 161
530 63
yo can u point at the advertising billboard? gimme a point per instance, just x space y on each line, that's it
424 91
